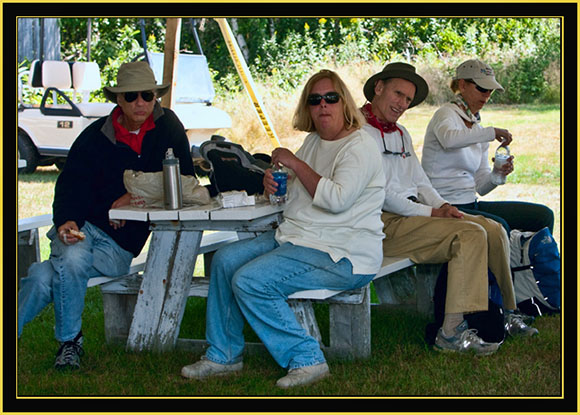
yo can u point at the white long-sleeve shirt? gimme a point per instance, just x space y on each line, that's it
344 217
405 176
455 157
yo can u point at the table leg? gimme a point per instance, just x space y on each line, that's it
164 290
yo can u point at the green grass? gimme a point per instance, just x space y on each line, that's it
401 363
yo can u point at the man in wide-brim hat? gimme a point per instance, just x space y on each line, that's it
398 70
135 136
135 93
419 224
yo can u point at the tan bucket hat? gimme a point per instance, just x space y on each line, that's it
135 77
398 70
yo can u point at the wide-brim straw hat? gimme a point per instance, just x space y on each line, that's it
135 77
398 70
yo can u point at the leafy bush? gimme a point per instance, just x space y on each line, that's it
525 52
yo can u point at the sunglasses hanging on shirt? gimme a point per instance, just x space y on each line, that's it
401 153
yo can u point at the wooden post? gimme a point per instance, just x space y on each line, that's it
170 59
164 290
305 315
350 326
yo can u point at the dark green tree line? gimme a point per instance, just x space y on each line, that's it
524 51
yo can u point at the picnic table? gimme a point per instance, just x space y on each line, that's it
170 263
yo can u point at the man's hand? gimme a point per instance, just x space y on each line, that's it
124 200
446 211
64 232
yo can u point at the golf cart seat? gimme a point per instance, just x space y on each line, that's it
86 78
59 76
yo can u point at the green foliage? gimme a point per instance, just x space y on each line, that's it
525 52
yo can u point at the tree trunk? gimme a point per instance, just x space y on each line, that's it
240 39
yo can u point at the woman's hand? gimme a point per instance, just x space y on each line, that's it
507 167
308 177
284 157
269 183
503 136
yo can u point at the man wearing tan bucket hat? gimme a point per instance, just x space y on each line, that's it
424 227
135 136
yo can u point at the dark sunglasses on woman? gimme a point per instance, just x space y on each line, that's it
132 96
480 89
329 98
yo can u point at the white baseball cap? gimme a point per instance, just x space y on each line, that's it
480 72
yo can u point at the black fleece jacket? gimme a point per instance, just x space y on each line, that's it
92 178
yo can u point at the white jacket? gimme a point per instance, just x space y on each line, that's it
455 157
405 176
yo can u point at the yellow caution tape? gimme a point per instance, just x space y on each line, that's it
247 80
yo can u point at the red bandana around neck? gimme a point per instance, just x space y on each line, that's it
125 136
383 127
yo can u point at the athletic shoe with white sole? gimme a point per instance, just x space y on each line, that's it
206 368
464 340
303 376
515 326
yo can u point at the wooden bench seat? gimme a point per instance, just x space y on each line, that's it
210 242
349 311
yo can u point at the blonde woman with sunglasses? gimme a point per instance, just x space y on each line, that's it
330 238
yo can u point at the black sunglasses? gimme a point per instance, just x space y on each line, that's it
329 98
480 89
146 95
401 153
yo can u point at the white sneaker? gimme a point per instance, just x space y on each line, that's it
303 376
206 368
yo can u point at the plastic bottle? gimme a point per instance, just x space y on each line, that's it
281 177
172 195
502 154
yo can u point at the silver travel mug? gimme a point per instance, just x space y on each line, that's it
172 196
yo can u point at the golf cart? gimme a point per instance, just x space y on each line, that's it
46 132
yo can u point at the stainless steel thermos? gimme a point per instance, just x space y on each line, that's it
172 182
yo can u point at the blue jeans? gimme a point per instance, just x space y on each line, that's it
253 278
513 215
63 278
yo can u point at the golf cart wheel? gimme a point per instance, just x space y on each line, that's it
27 151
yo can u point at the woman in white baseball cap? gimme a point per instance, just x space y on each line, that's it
455 153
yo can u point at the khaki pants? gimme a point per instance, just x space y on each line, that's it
469 246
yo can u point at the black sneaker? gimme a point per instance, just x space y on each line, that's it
69 354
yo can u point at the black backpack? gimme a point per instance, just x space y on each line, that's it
233 168
489 324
